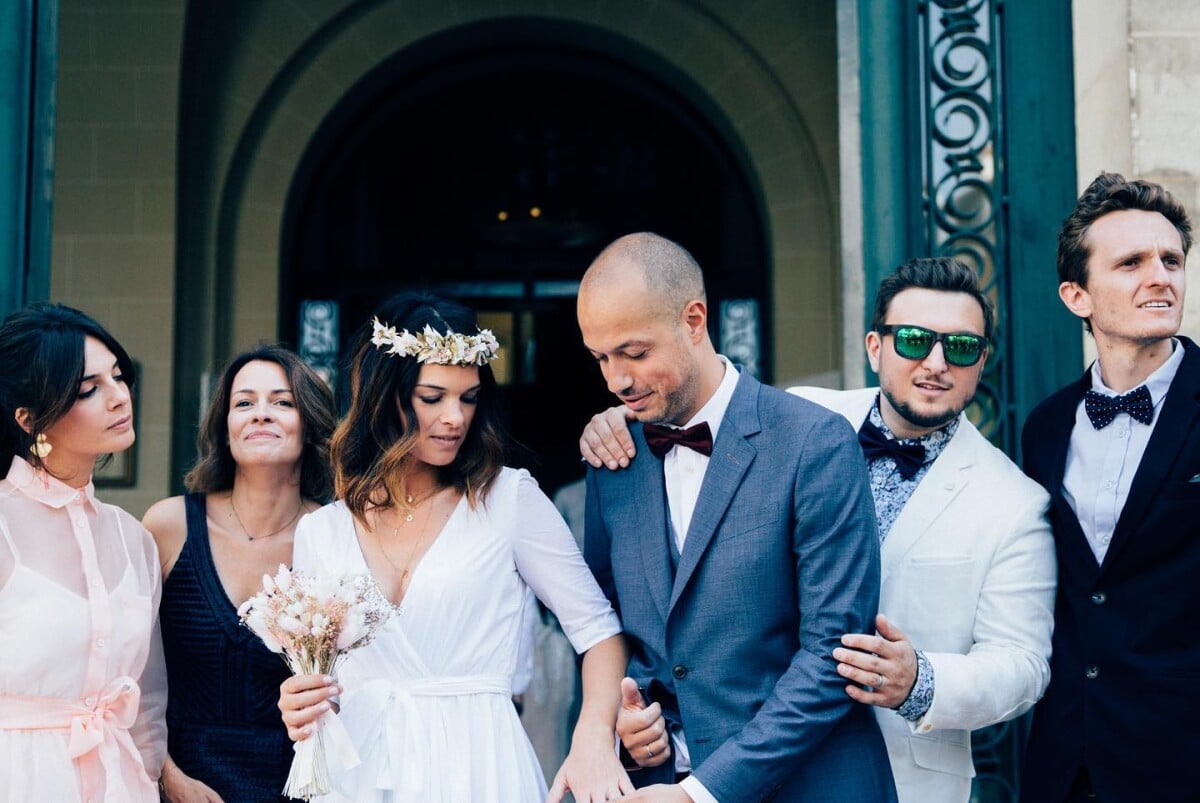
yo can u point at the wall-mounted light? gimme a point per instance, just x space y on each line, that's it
535 211
502 216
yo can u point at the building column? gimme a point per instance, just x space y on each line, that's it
28 53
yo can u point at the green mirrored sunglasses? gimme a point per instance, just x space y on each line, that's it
915 343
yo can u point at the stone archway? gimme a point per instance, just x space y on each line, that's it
490 164
274 80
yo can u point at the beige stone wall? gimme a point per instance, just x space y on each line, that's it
114 198
1137 93
1164 68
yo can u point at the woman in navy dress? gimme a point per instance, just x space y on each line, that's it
263 463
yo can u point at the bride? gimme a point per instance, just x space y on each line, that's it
451 538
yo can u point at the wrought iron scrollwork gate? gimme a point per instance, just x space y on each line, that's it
962 158
963 206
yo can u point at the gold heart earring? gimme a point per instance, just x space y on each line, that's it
40 448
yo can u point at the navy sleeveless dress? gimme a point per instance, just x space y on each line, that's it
223 723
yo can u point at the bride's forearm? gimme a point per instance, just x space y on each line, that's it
603 667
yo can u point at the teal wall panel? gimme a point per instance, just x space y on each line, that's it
1040 186
1029 108
28 59
891 156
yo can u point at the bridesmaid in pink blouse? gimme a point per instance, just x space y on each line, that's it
82 683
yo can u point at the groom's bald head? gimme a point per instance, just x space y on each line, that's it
664 269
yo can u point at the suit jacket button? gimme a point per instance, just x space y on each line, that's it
1092 672
1099 598
680 671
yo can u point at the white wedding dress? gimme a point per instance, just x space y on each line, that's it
427 703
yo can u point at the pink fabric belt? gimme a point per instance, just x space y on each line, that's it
99 734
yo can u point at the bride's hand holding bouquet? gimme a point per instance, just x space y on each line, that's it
312 622
309 706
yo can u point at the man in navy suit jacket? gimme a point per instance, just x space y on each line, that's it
1119 452
737 551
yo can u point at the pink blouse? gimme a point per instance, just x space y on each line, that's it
83 684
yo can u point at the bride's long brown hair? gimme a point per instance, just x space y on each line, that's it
371 448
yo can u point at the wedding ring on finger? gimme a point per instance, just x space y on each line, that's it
880 681
649 751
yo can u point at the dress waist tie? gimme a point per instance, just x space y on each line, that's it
98 734
395 727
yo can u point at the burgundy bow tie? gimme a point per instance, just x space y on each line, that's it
660 439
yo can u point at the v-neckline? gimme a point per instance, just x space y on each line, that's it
413 573
219 600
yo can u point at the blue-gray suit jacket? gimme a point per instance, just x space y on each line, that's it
781 558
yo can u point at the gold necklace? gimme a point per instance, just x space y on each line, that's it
408 562
246 532
411 503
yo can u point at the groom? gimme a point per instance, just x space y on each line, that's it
735 559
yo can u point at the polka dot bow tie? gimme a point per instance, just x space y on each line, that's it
1101 409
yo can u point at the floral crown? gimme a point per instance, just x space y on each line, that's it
430 347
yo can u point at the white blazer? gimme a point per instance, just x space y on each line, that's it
968 572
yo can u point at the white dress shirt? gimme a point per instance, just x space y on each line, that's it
1101 463
683 472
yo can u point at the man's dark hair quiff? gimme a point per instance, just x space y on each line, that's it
932 273
1108 193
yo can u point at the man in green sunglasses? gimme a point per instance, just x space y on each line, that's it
967 557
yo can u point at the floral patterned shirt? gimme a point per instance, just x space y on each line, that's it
891 493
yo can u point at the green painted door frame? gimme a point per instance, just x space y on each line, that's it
1041 186
28 57
1034 182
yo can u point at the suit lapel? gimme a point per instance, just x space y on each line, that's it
1059 426
731 458
946 478
1178 417
649 490
1062 424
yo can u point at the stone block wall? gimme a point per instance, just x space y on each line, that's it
114 199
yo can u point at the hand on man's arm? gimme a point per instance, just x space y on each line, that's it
887 663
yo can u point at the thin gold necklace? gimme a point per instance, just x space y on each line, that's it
406 572
246 532
411 504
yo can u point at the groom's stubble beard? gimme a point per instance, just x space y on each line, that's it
680 403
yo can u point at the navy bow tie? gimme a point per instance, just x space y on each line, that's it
909 457
660 439
1102 409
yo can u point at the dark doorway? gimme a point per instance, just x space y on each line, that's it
495 175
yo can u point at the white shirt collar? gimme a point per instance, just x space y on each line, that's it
1158 383
714 409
